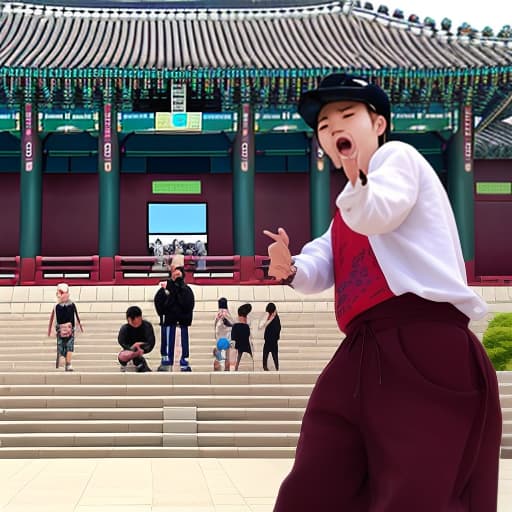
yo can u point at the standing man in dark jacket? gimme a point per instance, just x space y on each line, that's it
137 338
174 304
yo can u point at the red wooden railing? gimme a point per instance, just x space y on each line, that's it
9 270
56 269
144 270
131 270
200 269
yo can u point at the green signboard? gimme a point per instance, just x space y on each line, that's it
9 121
220 122
279 121
177 122
69 121
135 121
484 187
422 122
176 187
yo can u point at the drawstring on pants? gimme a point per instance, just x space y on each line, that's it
364 331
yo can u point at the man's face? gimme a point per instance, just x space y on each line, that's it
346 129
135 322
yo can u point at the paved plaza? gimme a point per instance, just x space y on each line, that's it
156 485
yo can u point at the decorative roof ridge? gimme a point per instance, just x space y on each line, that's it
423 29
339 7
189 13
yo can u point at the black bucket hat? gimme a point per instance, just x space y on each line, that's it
343 87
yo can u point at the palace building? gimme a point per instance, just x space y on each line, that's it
127 123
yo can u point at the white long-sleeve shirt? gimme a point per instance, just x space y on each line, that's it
406 214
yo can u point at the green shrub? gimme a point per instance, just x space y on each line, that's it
501 320
497 336
498 341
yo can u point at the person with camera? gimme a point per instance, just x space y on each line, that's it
174 304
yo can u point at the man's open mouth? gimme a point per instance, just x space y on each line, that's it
344 146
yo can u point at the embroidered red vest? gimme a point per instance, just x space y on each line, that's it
359 283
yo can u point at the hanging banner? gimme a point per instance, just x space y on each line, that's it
107 138
178 97
244 140
467 126
28 139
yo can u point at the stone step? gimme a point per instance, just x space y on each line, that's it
505 377
80 439
153 390
249 414
274 452
144 426
80 427
240 426
96 439
148 414
110 340
118 378
112 367
57 402
81 414
505 388
506 452
300 359
101 352
264 439
290 325
290 321
506 401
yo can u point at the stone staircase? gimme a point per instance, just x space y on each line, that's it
96 411
505 380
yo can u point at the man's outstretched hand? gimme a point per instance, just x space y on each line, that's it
280 257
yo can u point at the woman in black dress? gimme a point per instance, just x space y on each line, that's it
271 336
241 335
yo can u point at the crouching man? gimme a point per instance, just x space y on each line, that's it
137 338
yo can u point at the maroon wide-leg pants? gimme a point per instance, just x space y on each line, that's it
404 418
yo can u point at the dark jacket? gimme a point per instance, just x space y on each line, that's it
129 335
272 331
175 304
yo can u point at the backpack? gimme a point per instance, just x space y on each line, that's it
66 330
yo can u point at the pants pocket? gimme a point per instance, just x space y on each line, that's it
441 355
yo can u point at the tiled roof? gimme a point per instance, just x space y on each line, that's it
495 141
327 37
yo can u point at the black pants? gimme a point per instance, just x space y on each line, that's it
270 347
139 362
